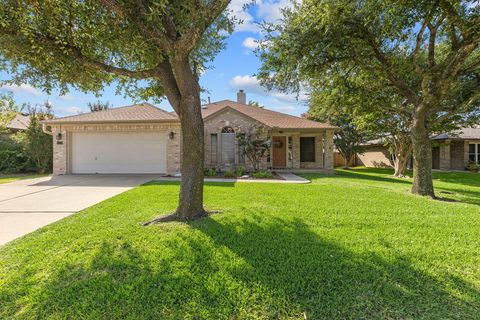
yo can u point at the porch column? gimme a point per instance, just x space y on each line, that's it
296 151
445 156
328 147
319 150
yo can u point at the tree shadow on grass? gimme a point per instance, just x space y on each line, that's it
251 267
310 274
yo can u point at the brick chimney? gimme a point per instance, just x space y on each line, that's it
241 97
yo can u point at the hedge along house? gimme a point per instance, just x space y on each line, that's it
145 139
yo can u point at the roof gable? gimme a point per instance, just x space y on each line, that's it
225 109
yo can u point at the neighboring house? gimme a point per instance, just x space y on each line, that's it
145 139
375 155
452 151
19 123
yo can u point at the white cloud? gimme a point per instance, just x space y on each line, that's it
66 97
248 83
68 111
252 84
288 109
250 43
265 10
271 10
237 10
23 88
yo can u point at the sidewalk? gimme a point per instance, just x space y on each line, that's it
287 177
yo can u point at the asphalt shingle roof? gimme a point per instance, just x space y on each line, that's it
143 112
464 134
146 112
265 116
20 122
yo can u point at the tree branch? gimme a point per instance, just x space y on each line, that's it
147 30
387 66
206 15
418 44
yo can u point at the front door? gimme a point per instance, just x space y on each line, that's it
279 152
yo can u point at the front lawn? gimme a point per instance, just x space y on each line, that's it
350 246
4 178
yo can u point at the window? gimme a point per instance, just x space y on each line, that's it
228 130
307 149
228 145
474 152
213 148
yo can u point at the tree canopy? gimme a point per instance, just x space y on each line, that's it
427 52
149 48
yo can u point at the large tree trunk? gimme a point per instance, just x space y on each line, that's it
422 157
190 204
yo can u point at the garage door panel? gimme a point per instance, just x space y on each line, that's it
119 152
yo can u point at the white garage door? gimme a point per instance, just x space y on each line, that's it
119 152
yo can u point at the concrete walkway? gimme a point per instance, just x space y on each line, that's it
287 177
26 205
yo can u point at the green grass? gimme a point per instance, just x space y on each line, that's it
4 178
350 246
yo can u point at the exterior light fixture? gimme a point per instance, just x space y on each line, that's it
171 135
59 136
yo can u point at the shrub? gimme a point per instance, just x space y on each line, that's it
473 167
13 161
239 171
262 175
210 172
229 174
255 145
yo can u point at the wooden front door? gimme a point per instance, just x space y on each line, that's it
279 152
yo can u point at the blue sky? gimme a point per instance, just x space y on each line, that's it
233 69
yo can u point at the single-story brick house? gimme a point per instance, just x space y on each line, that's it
450 151
145 139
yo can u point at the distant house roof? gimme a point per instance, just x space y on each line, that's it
269 118
143 112
20 122
461 134
146 112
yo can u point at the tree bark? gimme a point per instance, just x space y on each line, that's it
422 157
190 204
347 159
400 165
188 108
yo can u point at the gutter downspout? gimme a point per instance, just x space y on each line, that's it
44 129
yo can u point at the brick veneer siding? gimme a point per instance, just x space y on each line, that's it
62 152
445 156
457 155
214 125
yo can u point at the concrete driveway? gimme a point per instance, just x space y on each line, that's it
26 205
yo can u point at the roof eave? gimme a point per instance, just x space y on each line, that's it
50 122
